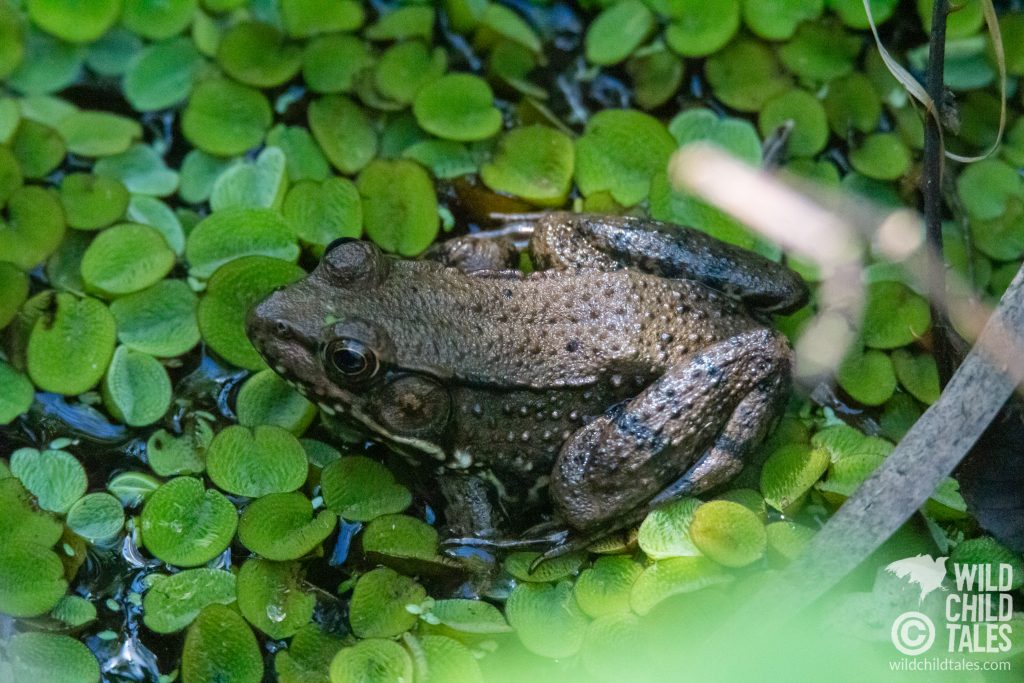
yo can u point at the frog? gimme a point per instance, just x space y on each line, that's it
634 365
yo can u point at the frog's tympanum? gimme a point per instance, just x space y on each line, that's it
634 366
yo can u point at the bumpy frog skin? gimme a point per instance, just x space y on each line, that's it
635 366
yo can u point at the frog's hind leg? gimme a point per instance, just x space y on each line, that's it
568 241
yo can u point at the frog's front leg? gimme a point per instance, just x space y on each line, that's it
565 241
685 434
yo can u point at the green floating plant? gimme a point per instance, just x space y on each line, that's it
225 118
882 156
220 646
789 473
439 659
16 393
617 31
283 526
185 524
728 533
331 63
232 291
343 132
38 656
779 20
258 54
324 211
406 67
98 134
820 52
853 15
697 29
519 565
136 389
745 74
458 107
656 75
74 611
126 258
985 552
401 537
403 23
233 233
379 601
308 656
810 125
96 517
141 170
258 184
852 104
54 477
867 375
34 227
267 399
360 489
894 315
605 587
612 645
303 18
665 532
162 75
532 162
399 206
91 202
171 455
673 576
255 462
272 599
159 320
469 616
786 540
172 602
371 659
546 618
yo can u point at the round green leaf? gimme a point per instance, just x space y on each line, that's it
745 74
311 17
440 659
789 473
171 455
867 376
308 657
261 183
519 564
379 600
458 107
282 526
233 290
31 579
162 75
49 64
853 15
778 20
894 315
98 134
617 31
132 488
605 588
54 477
231 234
665 532
698 29
810 130
158 19
404 22
360 489
96 516
112 53
187 525
70 347
786 540
546 618
399 206
38 656
16 393
220 646
255 462
126 258
882 156
10 174
533 162
986 188
225 118
985 552
322 212
619 152
34 227
173 602
258 54
728 533
12 40
265 398
38 149
852 103
90 201
673 576
303 158
331 63
142 171
343 132
13 292
271 598
74 611
400 536
136 390
470 616
370 661
918 374
160 320
820 52
406 67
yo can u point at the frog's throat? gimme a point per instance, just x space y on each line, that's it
378 430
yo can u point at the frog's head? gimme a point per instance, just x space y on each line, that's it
328 336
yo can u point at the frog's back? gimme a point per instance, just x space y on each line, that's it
549 329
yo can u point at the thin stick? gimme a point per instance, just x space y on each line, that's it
932 190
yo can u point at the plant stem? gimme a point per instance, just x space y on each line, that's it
932 191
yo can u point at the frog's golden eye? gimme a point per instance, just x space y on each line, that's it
352 359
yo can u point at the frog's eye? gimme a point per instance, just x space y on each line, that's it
352 359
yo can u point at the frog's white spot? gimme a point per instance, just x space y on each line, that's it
326 408
461 459
279 369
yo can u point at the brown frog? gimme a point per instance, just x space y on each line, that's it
634 366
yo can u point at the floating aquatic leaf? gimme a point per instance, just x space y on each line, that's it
745 74
331 63
617 31
786 540
918 374
374 659
220 646
283 526
867 376
851 103
519 565
126 258
311 17
255 462
233 233
620 151
54 477
360 489
673 576
985 552
399 206
136 390
69 348
112 53
265 398
96 516
232 291
986 188
258 54
12 40
31 579
160 320
91 202
38 656
324 211
185 524
16 393
13 292
882 156
271 598
403 23
48 64
440 659
308 657
400 536
378 606
820 52
225 118
458 107
697 29
470 616
779 20
605 587
406 67
261 184
853 15
894 315
173 602
665 532
142 171
74 611
532 162
546 618
162 75
158 19
789 473
132 488
810 125
98 134
728 533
